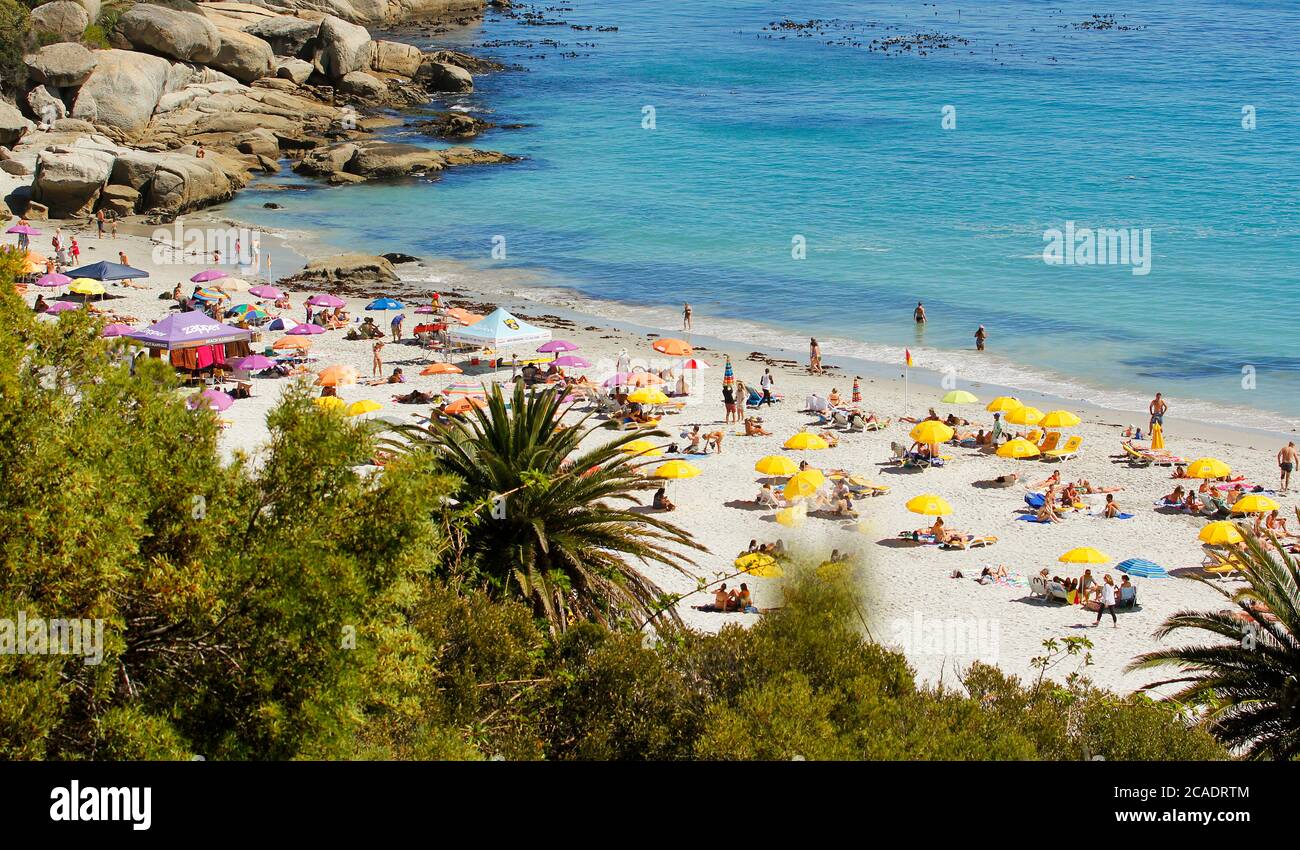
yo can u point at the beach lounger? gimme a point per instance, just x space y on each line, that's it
1128 597
970 542
1038 587
1034 436
1056 590
1049 442
1065 452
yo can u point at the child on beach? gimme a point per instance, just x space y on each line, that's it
377 368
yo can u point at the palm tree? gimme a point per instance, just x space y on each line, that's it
1249 682
561 540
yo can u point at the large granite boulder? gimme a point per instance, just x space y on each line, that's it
122 91
394 57
287 36
361 85
324 162
175 181
244 57
46 106
354 269
119 200
61 20
60 65
341 48
13 126
177 34
444 77
69 179
297 70
92 7
393 159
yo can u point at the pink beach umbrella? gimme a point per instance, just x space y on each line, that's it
215 399
254 363
62 307
24 229
326 301
116 329
694 363
209 274
557 345
306 330
53 279
425 308
265 291
572 361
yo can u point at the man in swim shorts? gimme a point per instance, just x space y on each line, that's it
1157 409
1286 461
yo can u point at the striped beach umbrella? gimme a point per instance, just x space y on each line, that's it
1142 568
728 375
857 390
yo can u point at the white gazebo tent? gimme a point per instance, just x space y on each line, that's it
499 330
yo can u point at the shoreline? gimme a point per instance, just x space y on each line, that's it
528 290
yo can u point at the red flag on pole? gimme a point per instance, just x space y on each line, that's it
907 353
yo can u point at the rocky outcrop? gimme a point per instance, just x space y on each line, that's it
395 58
244 57
473 64
444 77
45 105
375 159
61 20
176 34
92 7
453 125
119 200
69 179
341 48
13 126
287 36
122 91
60 65
389 11
349 269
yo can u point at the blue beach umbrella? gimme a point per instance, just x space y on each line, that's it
384 304
1142 568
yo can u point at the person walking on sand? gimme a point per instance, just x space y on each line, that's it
1157 410
729 402
1107 602
99 222
1286 461
686 316
76 252
766 383
980 336
377 368
113 226
814 357
919 313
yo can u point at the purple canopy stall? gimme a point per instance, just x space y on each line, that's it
188 330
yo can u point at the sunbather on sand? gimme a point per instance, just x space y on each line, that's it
767 497
1176 497
1191 503
695 447
1112 507
713 439
1086 486
754 428
1050 481
992 576
830 437
935 531
1047 513
661 501
844 507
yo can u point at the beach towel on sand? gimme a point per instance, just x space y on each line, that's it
1035 500
1031 518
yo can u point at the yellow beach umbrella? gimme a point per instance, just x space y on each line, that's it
959 397
362 407
641 447
931 432
776 465
1083 555
929 505
793 516
328 402
1002 404
1059 419
1208 467
832 570
1221 533
648 395
759 564
86 286
1025 415
1018 449
676 469
803 484
1255 504
1157 436
805 440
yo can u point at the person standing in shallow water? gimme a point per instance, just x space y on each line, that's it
919 313
686 316
980 336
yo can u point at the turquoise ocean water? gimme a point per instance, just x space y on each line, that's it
762 136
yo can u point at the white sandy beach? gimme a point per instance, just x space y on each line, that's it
906 581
